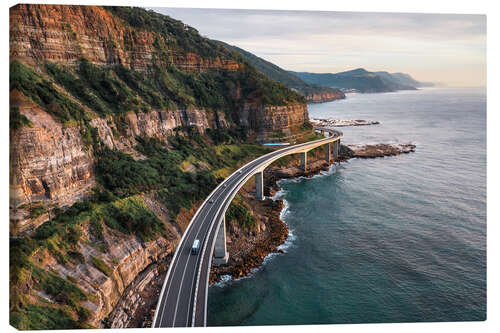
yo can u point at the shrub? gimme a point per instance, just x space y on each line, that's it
306 126
72 236
101 265
131 216
239 212
17 120
41 317
36 211
96 227
54 285
43 93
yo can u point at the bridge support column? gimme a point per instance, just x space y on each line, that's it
259 185
221 255
336 148
328 152
303 160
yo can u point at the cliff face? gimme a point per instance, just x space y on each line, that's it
274 118
48 161
63 34
155 124
324 96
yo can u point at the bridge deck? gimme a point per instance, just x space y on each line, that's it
183 299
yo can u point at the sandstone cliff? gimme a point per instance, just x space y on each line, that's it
324 96
63 34
270 119
48 162
125 256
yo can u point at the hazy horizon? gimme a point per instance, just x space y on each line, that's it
439 48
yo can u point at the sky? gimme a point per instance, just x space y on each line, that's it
439 48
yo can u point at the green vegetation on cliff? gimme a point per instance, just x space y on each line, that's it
181 37
116 204
240 213
43 93
18 120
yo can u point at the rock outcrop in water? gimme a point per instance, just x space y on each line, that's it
321 122
378 150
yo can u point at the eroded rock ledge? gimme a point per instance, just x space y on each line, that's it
321 122
379 150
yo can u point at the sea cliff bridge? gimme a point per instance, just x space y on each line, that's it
183 298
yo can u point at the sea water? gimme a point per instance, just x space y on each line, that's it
395 239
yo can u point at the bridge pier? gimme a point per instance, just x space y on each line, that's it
221 256
303 160
336 148
328 152
259 185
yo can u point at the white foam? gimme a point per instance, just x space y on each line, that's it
224 279
284 211
278 195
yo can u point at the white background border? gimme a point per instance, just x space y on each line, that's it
415 6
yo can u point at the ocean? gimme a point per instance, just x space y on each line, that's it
395 239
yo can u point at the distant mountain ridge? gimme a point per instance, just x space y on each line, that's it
314 93
362 80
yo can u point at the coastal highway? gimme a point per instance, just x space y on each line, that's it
183 298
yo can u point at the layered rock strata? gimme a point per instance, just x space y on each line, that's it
63 34
269 119
324 96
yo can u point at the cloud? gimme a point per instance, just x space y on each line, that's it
335 41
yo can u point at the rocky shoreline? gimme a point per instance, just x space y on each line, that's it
322 122
249 256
